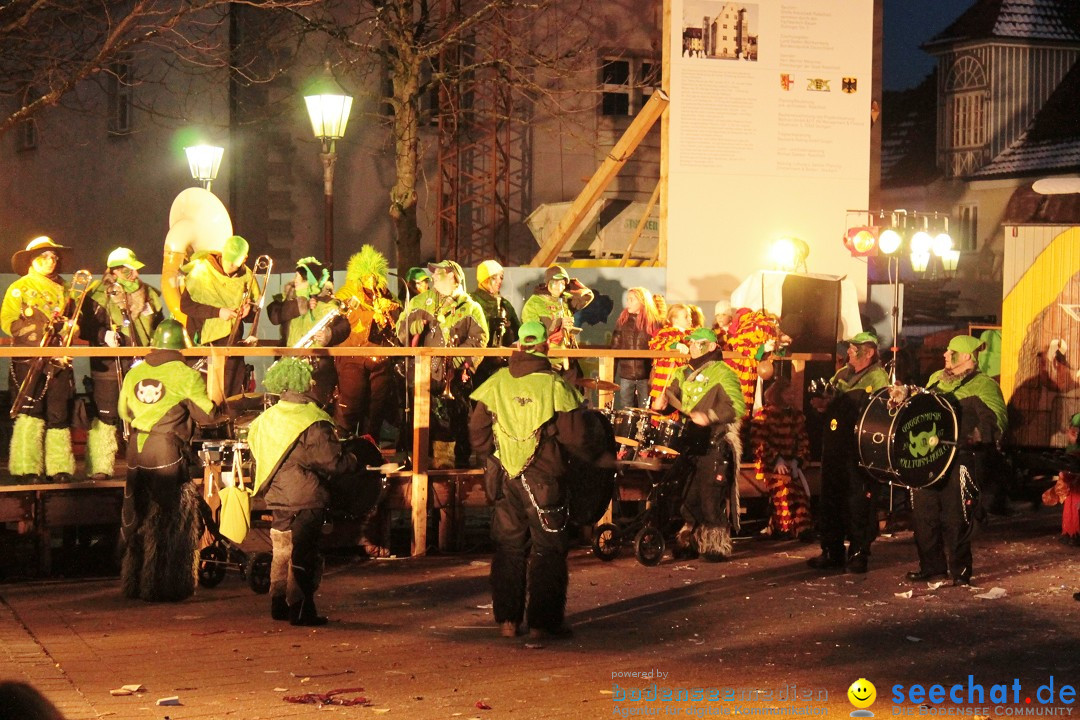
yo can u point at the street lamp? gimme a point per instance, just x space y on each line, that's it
328 106
204 162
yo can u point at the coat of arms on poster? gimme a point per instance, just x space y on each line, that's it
849 84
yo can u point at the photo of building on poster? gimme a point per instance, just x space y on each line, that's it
715 30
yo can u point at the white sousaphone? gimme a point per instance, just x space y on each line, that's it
198 221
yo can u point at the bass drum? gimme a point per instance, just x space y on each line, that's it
912 444
590 482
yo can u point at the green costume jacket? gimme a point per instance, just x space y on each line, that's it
708 385
207 289
162 395
435 320
983 417
134 315
296 450
296 318
30 304
520 406
501 318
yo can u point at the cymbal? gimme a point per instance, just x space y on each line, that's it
594 384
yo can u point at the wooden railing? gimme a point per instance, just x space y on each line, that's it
419 477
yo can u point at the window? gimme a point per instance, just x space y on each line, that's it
966 234
121 95
966 93
627 84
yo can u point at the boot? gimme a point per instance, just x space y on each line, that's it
827 560
26 456
547 594
304 612
101 447
508 587
59 459
281 540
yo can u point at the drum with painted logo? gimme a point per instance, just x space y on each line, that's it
910 444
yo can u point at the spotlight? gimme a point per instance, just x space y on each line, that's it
889 241
861 241
782 253
921 243
941 244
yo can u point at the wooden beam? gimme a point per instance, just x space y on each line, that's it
420 458
641 225
571 221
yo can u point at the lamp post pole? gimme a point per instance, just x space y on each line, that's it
328 108
329 157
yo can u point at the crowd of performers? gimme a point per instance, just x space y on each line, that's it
520 417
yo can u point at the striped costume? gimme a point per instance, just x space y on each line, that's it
779 434
666 339
749 331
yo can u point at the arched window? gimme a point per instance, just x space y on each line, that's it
966 98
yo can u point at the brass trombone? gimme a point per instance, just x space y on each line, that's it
263 264
60 332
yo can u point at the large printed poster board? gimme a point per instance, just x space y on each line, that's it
769 137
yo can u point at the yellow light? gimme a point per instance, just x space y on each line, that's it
783 253
890 241
950 259
919 260
921 242
942 244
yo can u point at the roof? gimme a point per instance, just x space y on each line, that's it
1027 207
908 135
1050 142
1057 20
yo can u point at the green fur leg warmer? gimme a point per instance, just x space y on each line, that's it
27 453
58 456
101 447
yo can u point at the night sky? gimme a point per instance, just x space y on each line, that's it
908 24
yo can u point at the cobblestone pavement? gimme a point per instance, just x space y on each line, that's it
417 636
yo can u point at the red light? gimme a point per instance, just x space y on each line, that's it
861 241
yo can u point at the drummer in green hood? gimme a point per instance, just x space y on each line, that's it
944 513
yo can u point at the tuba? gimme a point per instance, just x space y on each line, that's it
60 332
198 221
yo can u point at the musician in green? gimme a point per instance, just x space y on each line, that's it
121 311
847 510
944 513
37 303
163 399
707 394
297 454
446 316
553 303
220 295
501 317
302 306
527 418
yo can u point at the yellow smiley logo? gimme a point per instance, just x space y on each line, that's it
862 693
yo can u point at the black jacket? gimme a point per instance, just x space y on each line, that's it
627 336
316 458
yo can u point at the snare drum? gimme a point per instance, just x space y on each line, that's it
664 435
630 426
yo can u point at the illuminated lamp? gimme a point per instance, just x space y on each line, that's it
890 241
950 259
782 253
921 243
919 260
861 241
941 244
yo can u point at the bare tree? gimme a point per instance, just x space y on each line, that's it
49 47
424 47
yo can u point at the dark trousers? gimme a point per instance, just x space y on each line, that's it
106 392
847 509
530 553
942 534
365 389
306 526
160 521
50 402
